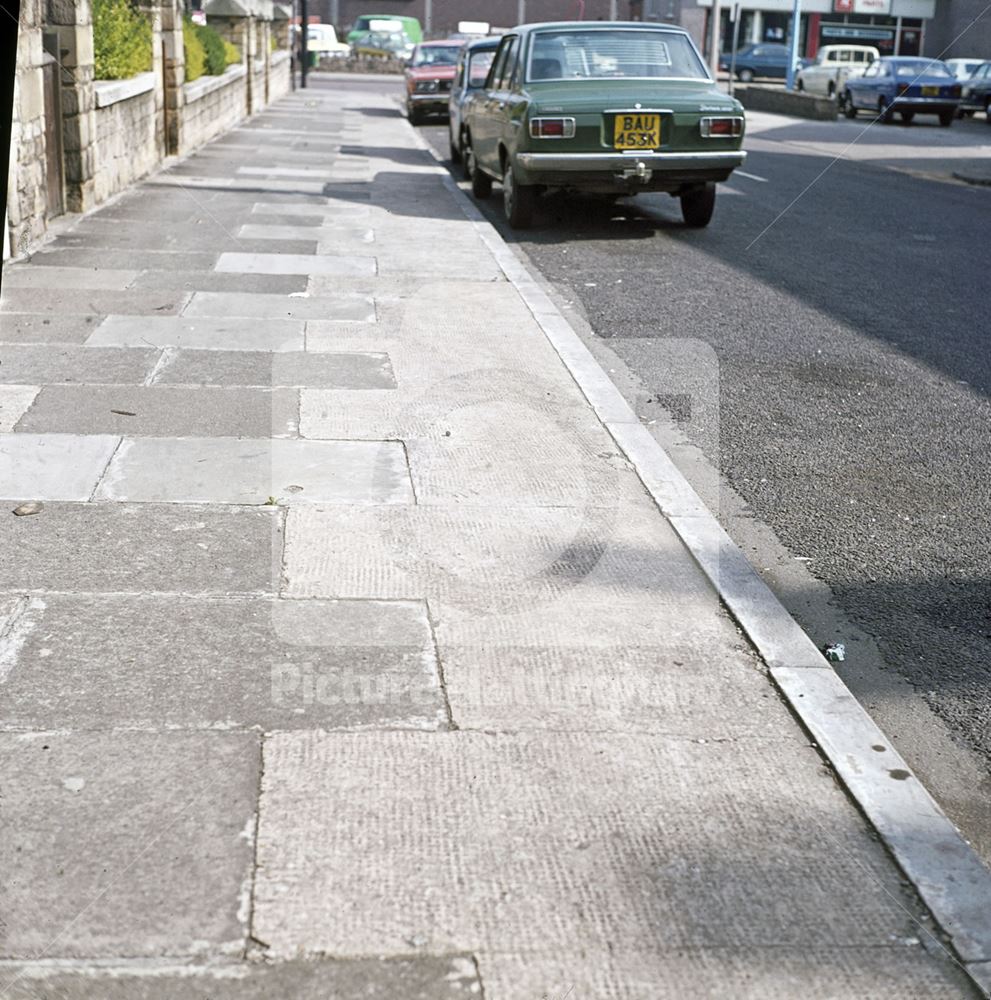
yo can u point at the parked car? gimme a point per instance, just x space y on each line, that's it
766 59
975 92
833 65
322 40
429 76
409 26
383 45
963 68
907 85
603 107
469 77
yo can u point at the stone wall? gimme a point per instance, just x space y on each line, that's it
129 133
756 97
26 189
108 134
211 106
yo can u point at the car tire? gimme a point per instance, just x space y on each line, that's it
415 116
884 113
987 111
518 200
455 152
946 118
801 86
831 90
906 117
465 163
745 75
848 107
481 183
697 206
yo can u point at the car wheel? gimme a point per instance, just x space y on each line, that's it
465 162
987 111
801 85
453 146
831 90
481 183
907 116
517 199
697 206
946 118
884 113
415 116
848 109
745 75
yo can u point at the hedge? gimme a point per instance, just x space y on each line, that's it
121 40
206 51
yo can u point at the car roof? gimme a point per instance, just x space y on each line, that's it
596 26
445 43
480 44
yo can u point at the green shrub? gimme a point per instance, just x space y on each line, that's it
194 53
213 44
121 40
232 53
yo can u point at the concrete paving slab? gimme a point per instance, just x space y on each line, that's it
53 466
137 260
425 977
350 372
30 328
25 276
85 662
92 301
52 364
212 281
895 972
205 333
246 471
501 848
360 308
98 833
109 548
14 401
213 236
326 235
164 411
325 211
288 263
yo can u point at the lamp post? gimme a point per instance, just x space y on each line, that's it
796 23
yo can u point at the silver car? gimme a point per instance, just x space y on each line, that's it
469 77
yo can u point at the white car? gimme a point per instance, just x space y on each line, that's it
964 69
322 39
833 66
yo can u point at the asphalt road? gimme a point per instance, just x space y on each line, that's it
825 344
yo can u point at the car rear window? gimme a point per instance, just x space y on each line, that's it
437 55
921 67
604 54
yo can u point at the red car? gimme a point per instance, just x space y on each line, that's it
429 77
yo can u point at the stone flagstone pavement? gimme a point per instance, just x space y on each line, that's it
348 657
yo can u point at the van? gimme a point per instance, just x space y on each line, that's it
363 24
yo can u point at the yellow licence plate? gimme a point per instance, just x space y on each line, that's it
635 131
930 91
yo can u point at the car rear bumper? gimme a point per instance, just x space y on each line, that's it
583 163
931 104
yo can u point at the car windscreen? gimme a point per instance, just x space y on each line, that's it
437 55
478 68
921 67
613 53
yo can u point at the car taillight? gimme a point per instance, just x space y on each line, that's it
552 128
902 89
715 128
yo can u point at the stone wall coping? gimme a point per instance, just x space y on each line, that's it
208 84
280 56
109 92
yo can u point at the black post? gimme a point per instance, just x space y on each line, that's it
303 43
10 17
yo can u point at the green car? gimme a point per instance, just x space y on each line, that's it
601 107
